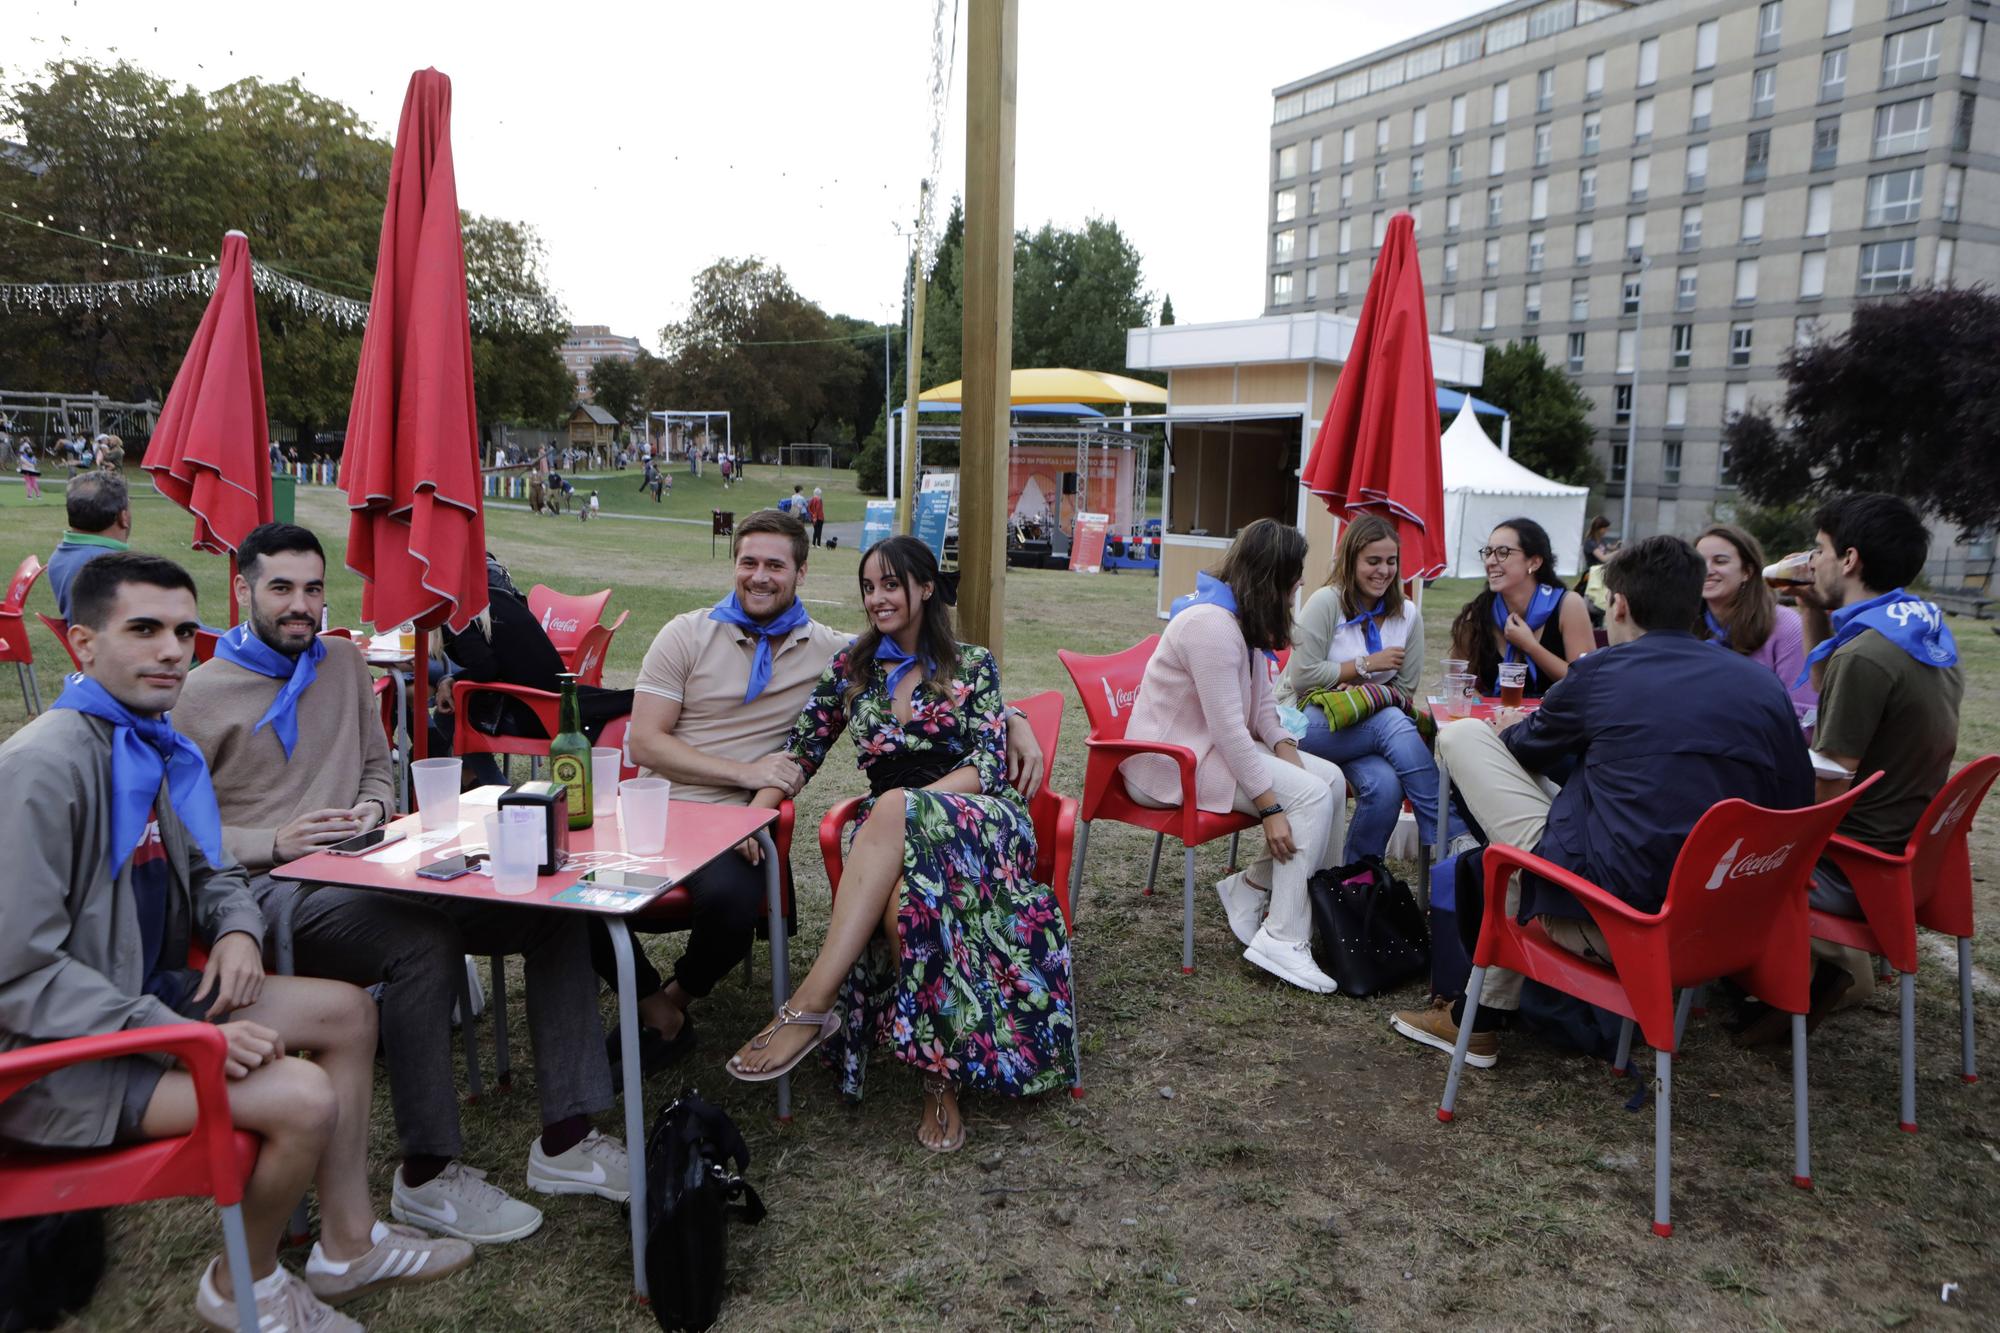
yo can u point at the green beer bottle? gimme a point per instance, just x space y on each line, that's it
569 756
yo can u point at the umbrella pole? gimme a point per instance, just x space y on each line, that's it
420 711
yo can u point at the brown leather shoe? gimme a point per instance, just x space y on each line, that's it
1433 1027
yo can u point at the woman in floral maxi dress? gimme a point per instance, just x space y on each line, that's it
941 944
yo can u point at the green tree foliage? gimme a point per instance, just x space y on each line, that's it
1166 311
1551 427
1902 401
517 367
944 304
619 387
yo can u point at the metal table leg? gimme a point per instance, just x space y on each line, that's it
408 737
781 982
635 1093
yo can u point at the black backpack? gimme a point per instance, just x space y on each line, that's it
693 1159
49 1266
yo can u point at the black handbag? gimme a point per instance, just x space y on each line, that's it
694 1158
49 1267
1368 932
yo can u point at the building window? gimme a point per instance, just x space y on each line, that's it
1941 266
1819 210
1887 266
1701 106
1735 402
1763 92
1642 176
1288 161
1629 295
1340 272
1739 343
1911 57
1812 275
1531 303
1752 228
1496 155
1903 127
1649 62
1347 147
1756 157
1670 450
1493 207
1686 280
1704 45
1593 130
1839 16
1538 250
1683 346
1417 174
1346 189
1635 236
1288 205
1489 308
1420 120
1451 212
1833 75
1499 104
1969 49
1576 353
1805 330
1961 127
1544 144
1490 257
1458 114
1894 196
1343 236
1545 89
1677 415
1381 181
1451 263
1691 228
1954 188
1826 143
1454 164
1312 199
1318 158
1642 120
1312 284
1586 189
1538 198
1281 289
1697 167
1283 245
1628 351
1746 281
1621 404
1378 230
1619 450
1898 8
1585 250
1381 135
1447 313
1770 26
1593 75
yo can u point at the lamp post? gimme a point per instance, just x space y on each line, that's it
1632 417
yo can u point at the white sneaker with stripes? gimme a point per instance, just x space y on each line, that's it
402 1257
284 1305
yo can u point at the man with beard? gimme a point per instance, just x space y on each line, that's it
289 725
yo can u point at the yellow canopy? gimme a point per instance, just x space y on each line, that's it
1061 385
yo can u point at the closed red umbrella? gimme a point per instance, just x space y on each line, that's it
1378 450
210 452
416 534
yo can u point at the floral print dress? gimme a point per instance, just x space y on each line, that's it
977 988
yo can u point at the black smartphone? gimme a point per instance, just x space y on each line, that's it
451 867
627 879
364 842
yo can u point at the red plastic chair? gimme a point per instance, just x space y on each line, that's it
211 1161
338 632
1735 907
566 619
60 628
467 739
204 645
14 645
1929 885
1055 819
588 663
1108 686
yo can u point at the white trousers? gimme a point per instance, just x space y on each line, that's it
1315 801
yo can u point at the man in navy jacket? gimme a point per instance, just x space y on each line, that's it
1660 726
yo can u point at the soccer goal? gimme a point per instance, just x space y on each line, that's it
805 456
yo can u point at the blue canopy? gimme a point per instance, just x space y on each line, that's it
1450 400
1020 409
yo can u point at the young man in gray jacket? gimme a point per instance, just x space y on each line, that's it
116 865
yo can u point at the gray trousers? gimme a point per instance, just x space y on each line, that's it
412 946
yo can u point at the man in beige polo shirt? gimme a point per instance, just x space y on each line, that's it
716 696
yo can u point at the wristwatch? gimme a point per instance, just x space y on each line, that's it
1360 667
1274 808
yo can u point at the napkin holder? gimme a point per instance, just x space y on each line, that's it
551 801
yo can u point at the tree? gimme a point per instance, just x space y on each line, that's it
1902 401
944 304
517 367
1550 429
1166 311
619 387
1075 295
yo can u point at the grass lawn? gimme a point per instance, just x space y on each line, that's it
1248 1156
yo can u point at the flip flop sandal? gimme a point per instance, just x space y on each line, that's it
826 1023
937 1087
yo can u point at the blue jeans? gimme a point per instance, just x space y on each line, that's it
1384 760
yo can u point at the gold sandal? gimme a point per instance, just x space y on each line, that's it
936 1086
826 1023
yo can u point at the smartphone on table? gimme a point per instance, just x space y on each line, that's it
630 880
362 843
451 867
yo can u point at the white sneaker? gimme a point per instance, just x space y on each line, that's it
289 1304
598 1165
1289 962
459 1201
1244 904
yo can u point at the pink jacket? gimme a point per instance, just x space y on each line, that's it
1201 690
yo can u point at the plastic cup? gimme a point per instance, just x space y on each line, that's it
642 813
436 782
1513 679
1459 694
515 838
604 767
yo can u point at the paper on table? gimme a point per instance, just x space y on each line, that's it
412 847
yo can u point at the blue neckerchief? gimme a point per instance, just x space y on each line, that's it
1209 591
144 752
1717 631
1370 621
730 612
1912 624
888 650
1548 596
242 646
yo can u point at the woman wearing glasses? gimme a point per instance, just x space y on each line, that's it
1523 615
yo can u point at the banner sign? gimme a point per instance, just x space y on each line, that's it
1086 550
878 523
932 516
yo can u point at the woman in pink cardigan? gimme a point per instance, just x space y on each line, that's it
1207 688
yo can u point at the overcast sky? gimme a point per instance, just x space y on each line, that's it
644 141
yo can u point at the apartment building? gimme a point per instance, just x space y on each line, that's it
1664 196
588 344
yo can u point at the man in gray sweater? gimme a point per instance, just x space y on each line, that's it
115 866
290 728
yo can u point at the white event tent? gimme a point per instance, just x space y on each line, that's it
1484 487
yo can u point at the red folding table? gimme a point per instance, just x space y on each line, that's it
697 833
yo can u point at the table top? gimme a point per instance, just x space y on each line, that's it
697 833
1484 709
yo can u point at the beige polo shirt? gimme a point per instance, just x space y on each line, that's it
705 665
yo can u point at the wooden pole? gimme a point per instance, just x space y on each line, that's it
992 45
906 474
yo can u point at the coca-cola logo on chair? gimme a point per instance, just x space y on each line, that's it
1736 866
